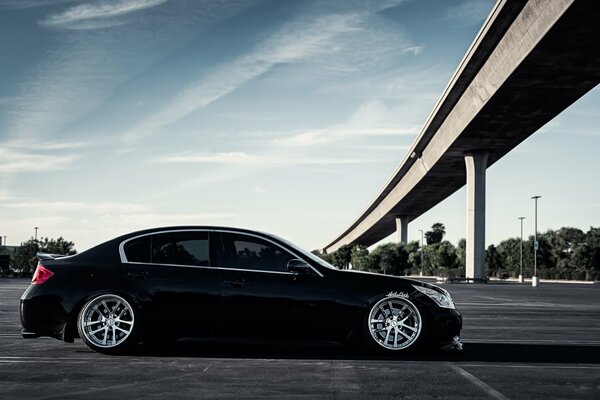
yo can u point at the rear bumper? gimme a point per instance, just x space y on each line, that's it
43 315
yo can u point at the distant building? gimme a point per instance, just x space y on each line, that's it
8 249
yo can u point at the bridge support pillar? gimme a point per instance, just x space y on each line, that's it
476 164
402 228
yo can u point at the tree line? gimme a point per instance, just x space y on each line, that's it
23 259
566 253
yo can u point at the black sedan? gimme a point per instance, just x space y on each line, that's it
227 283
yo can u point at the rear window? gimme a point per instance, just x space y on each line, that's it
138 250
176 248
180 248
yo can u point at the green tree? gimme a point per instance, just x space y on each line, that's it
24 257
402 249
586 257
413 248
360 258
58 246
324 256
391 258
387 258
493 261
343 256
441 258
461 253
436 234
510 254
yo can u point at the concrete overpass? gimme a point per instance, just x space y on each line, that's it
530 61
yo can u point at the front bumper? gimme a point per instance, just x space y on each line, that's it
447 325
455 345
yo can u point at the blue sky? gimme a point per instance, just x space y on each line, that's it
282 116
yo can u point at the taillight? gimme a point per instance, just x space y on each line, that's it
41 275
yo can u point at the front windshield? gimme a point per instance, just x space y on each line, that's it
307 253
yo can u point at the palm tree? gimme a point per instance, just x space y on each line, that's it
436 234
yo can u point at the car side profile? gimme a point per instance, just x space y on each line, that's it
227 283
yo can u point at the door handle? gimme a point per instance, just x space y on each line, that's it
138 275
237 282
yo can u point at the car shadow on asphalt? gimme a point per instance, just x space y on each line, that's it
472 352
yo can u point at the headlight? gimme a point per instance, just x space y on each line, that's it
441 299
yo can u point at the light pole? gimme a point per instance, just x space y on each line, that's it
534 278
421 272
521 274
36 228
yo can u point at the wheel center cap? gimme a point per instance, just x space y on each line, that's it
110 322
394 324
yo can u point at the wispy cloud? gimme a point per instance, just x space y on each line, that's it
254 160
96 15
371 118
70 206
90 223
85 67
415 50
144 220
18 4
294 42
14 161
131 211
47 145
469 12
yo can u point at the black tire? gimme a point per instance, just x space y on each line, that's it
394 325
109 324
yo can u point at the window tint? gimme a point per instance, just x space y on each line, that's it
180 248
249 252
138 250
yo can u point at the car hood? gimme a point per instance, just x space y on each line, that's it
379 281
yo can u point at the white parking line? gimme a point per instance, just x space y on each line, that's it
479 383
58 359
533 341
532 366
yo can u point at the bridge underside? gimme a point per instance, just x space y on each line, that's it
514 92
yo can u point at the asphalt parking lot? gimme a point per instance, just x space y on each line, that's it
520 343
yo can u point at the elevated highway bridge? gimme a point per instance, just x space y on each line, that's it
530 61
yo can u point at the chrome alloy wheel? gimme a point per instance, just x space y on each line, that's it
395 323
106 321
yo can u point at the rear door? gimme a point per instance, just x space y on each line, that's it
171 276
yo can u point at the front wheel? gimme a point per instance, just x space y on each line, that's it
107 323
394 324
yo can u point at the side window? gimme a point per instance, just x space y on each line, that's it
138 250
180 248
249 252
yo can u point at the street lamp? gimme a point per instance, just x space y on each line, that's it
421 272
36 228
521 274
534 278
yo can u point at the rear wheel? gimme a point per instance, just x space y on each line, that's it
107 323
394 324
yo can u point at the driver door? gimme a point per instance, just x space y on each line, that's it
260 299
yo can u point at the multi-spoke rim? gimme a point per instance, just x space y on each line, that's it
394 323
107 321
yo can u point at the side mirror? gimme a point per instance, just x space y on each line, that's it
297 266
